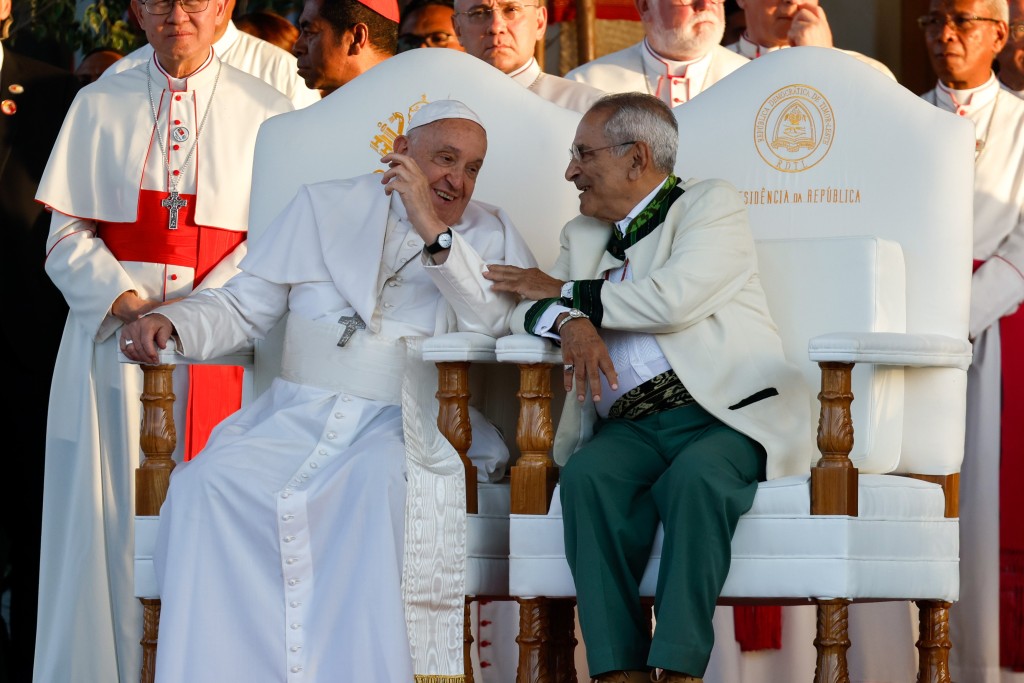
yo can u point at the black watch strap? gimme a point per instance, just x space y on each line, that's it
443 241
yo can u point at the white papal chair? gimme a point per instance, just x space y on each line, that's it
345 135
858 193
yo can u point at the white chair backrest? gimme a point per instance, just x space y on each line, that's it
346 133
822 145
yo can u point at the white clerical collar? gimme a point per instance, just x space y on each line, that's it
198 77
624 223
673 82
966 102
751 50
694 69
225 42
527 73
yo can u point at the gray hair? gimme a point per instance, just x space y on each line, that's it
643 118
999 9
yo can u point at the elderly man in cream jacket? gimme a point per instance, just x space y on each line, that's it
679 399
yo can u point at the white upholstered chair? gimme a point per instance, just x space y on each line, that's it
345 135
857 193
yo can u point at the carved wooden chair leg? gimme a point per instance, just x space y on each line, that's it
933 644
453 419
832 641
157 440
533 482
534 625
562 640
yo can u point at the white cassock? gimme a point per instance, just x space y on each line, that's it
250 54
997 290
752 50
104 177
639 68
561 91
1018 93
280 547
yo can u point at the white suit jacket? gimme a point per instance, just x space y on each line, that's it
696 288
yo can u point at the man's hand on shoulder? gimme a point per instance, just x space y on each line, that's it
405 177
143 339
528 283
586 358
810 27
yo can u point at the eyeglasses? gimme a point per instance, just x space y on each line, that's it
961 23
511 12
159 7
1016 31
580 155
410 41
689 3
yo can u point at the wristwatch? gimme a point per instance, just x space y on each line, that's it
567 290
574 313
443 241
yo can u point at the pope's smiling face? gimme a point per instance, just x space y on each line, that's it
450 152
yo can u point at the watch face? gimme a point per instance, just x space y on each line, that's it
444 240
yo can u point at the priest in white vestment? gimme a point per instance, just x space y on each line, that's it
248 53
679 58
280 550
504 34
1011 58
987 624
775 24
148 185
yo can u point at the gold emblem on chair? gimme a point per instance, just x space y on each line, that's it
794 128
394 126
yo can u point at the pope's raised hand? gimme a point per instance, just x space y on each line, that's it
405 177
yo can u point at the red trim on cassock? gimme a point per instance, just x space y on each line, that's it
215 391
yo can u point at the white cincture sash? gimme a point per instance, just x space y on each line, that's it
368 366
434 568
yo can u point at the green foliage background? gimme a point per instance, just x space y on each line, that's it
102 23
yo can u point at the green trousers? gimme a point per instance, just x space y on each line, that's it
682 467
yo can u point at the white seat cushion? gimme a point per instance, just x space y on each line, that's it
900 546
487 542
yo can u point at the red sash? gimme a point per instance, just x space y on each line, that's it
215 391
1011 483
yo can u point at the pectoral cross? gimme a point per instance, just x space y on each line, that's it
351 323
173 204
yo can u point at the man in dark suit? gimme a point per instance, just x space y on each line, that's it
34 97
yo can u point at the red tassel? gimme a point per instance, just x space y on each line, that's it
758 628
1011 610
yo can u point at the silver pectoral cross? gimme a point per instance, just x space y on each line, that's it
351 323
173 204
